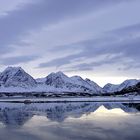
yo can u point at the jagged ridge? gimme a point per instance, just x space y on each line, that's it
13 78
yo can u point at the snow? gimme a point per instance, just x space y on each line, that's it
87 83
77 99
40 80
75 84
97 88
15 79
110 88
113 88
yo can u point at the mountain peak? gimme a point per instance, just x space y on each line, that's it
113 88
16 77
57 79
76 78
60 73
14 69
131 81
10 72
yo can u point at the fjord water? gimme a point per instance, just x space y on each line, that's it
70 121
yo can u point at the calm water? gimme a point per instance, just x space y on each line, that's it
70 121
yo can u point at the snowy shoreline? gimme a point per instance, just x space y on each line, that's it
69 99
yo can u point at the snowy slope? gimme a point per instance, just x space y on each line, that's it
110 87
96 87
125 84
40 80
75 84
16 77
58 80
87 83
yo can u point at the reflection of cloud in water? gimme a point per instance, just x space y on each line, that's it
66 121
117 111
18 114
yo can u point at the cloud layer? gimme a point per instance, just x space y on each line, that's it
94 36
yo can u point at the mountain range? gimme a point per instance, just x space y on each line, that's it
15 79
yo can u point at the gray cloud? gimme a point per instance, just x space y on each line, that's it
34 15
17 60
124 41
37 14
59 62
92 65
21 30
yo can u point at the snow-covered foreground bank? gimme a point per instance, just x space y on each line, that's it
77 99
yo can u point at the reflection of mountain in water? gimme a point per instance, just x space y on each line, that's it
14 117
18 114
133 105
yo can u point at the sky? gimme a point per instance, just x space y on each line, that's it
96 39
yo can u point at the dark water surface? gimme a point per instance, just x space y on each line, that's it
70 121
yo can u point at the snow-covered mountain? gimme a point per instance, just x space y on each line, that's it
40 80
113 88
58 80
93 84
75 84
16 77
